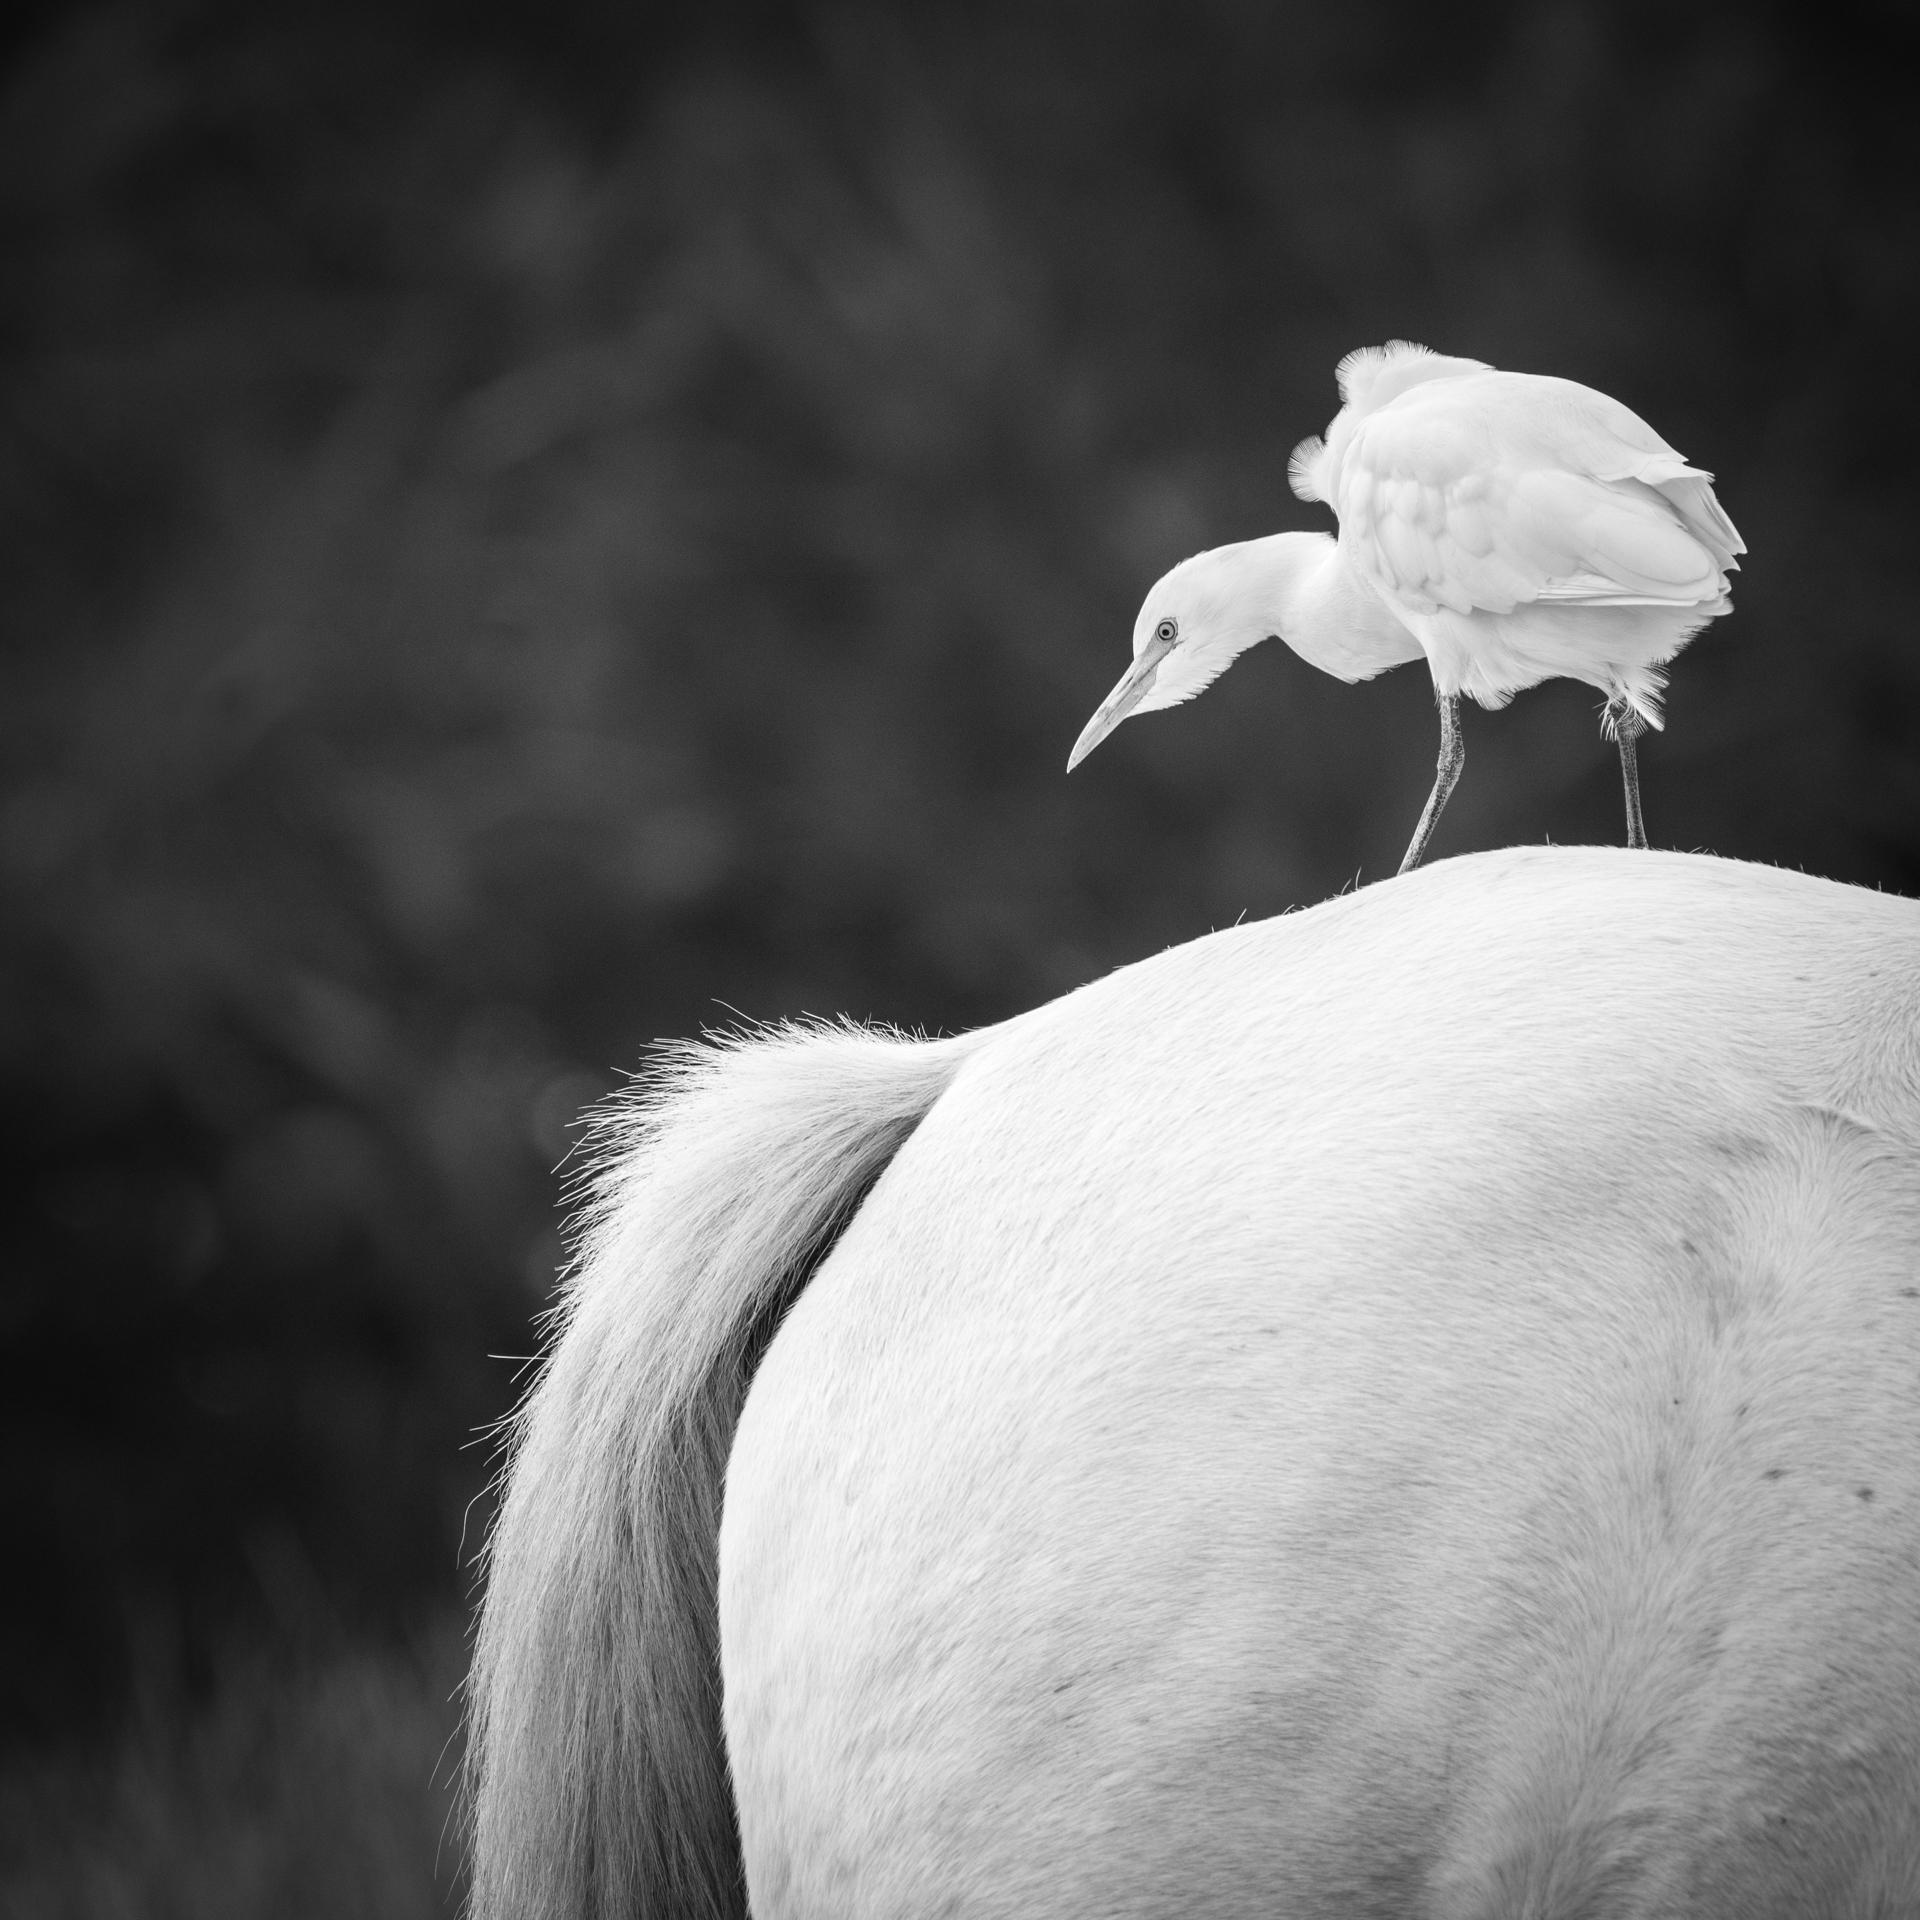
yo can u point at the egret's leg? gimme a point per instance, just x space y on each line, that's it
1453 756
1627 729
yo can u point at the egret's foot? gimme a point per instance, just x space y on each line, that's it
1626 726
1453 756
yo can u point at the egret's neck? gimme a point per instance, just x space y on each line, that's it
1302 586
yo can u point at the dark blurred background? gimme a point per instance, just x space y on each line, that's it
531 529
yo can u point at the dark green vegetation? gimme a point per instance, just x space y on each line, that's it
527 531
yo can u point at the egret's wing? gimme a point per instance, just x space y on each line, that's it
1484 494
1593 433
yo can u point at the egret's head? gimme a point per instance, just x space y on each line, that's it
1196 622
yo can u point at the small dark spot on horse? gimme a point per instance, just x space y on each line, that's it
1910 1293
1863 1493
1740 1412
1063 1686
1774 1473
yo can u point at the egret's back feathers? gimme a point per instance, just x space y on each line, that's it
1371 378
1303 468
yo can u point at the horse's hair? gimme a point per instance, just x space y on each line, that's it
599 1779
1588 1186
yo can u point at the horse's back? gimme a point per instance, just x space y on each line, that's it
1408 1409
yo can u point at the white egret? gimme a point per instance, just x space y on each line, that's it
1511 527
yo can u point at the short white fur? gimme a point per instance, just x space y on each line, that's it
1408 1407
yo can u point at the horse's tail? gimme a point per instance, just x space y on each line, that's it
598 1773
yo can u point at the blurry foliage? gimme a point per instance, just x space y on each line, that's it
297 1791
528 532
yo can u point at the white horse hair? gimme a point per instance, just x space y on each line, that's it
1411 1408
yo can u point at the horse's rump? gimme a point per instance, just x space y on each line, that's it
1409 1408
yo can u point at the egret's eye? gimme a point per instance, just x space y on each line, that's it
1167 632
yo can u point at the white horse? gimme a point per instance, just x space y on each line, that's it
1409 1408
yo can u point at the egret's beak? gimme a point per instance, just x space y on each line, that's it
1133 688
